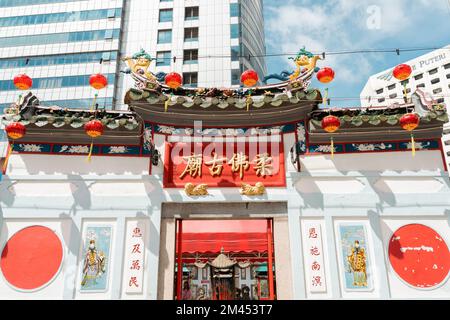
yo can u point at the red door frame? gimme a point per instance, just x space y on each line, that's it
179 234
270 258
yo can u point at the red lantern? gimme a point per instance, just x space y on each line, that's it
325 75
23 82
15 130
402 72
331 124
249 78
94 128
98 81
409 122
173 80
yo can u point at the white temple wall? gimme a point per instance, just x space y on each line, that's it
66 193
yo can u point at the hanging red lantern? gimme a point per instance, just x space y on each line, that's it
98 81
331 124
402 72
173 80
94 128
325 75
249 78
23 82
409 122
15 130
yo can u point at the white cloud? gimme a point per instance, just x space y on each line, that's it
341 25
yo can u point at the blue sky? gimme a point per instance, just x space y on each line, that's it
336 25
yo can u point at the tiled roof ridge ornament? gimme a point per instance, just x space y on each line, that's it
300 79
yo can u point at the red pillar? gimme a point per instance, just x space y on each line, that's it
179 259
270 261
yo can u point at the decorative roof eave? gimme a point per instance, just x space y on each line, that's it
380 123
56 124
262 105
284 110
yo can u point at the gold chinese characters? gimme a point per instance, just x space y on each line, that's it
239 163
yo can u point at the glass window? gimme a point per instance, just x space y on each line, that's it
191 13
234 9
106 56
437 90
190 56
420 85
165 15
381 100
60 17
190 79
235 77
234 31
235 53
435 80
108 34
164 36
56 82
391 87
111 13
163 58
392 96
419 76
379 91
16 3
447 66
57 38
191 34
433 71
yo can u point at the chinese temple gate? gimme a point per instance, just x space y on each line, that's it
254 192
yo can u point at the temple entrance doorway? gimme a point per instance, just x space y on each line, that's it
224 260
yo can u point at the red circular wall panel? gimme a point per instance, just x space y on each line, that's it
31 257
419 255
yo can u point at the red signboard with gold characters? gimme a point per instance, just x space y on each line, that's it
224 164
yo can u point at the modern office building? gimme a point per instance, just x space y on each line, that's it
59 43
431 74
209 42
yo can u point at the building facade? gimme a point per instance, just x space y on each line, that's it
210 43
260 202
430 73
61 43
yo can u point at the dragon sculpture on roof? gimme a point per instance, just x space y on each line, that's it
305 61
